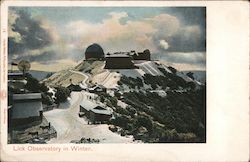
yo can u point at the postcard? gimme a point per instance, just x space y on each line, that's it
124 81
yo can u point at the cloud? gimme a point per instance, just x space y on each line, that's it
34 38
111 34
57 65
195 58
12 34
39 40
186 43
118 15
185 66
163 44
137 34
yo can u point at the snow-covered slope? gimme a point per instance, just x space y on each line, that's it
90 73
149 67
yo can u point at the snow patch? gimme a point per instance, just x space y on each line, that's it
149 67
161 93
133 73
122 104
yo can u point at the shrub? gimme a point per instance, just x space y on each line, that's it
32 84
43 87
190 75
48 75
46 99
145 122
62 94
173 70
117 94
121 121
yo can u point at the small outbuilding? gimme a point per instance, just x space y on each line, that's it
99 114
98 89
94 112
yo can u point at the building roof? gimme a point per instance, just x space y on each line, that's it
100 86
90 106
15 74
117 56
94 48
94 51
27 96
101 111
97 86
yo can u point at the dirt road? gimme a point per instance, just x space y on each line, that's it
70 127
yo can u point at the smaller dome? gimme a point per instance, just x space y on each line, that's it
94 51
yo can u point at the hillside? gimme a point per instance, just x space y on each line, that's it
198 75
154 102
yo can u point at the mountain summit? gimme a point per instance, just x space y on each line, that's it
151 101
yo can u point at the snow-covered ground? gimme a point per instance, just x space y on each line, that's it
133 73
122 104
52 90
70 127
150 67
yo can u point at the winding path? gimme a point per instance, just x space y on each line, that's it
83 84
70 127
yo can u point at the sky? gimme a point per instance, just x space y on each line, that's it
54 38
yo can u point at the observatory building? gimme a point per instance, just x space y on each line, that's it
94 52
145 55
119 61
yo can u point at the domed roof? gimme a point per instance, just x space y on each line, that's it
94 51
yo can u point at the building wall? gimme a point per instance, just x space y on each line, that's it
94 51
26 109
119 63
142 56
26 122
94 56
94 117
84 110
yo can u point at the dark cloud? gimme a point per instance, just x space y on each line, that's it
15 47
179 42
182 41
33 36
191 16
44 57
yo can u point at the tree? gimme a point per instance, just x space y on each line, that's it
173 70
190 75
48 75
117 94
113 101
32 84
46 99
145 122
43 87
62 94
